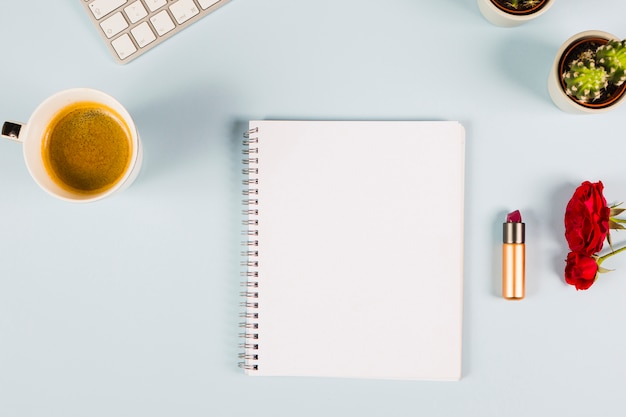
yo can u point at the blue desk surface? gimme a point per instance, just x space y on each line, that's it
128 307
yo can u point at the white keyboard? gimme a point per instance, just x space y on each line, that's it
132 27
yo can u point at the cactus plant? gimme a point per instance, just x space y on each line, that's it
523 4
585 81
595 70
612 57
518 6
509 13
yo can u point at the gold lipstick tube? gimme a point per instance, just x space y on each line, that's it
513 261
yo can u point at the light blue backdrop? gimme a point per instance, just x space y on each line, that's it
128 307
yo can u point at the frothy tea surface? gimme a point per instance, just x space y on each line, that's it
87 148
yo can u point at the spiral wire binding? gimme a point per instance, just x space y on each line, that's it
250 263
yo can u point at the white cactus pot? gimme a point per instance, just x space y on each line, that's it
500 17
556 87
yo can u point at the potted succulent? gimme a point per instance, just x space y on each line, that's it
589 73
513 12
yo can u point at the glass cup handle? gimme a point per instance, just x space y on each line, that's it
11 131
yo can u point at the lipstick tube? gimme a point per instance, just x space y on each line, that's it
513 257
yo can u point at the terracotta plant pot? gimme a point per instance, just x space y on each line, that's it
499 14
556 85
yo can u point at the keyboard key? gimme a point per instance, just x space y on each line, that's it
205 4
124 46
135 11
155 4
143 34
162 23
101 8
113 25
184 10
132 27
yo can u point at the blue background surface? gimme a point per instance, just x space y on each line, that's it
129 306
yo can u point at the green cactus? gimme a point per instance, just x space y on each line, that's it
594 70
531 3
612 57
585 80
523 4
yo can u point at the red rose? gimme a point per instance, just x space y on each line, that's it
587 219
580 270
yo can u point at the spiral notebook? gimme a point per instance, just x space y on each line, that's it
354 249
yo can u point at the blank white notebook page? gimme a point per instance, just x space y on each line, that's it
360 249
